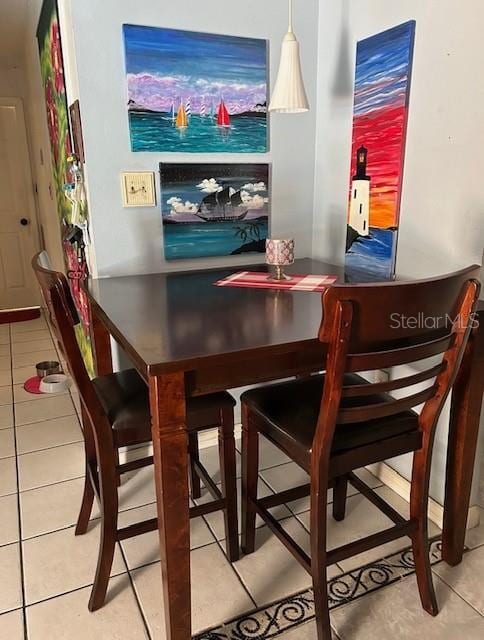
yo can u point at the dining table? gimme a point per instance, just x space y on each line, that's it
188 337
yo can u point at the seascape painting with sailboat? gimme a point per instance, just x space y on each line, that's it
214 209
382 90
195 92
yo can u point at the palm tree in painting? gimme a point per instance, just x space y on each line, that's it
249 229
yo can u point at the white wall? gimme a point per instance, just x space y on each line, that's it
130 240
442 211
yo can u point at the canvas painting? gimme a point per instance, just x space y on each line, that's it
214 209
195 92
382 89
52 72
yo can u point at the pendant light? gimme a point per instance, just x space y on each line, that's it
289 95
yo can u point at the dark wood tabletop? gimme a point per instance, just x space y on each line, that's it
181 317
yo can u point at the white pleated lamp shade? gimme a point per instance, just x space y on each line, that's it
289 95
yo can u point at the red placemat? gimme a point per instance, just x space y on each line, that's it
259 280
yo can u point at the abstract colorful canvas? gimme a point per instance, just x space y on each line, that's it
214 209
195 92
52 72
382 88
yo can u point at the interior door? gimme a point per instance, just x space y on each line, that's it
18 222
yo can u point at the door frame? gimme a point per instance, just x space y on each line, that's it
18 103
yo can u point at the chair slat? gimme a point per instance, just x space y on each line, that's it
384 409
370 389
394 357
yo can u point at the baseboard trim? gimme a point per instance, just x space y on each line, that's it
19 315
209 438
401 486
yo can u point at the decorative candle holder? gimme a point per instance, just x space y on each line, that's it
280 254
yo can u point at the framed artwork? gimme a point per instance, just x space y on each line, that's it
195 92
214 209
77 140
382 89
52 72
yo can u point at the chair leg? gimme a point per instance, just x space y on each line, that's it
340 491
109 524
419 497
318 561
250 471
86 506
229 483
118 475
88 493
194 456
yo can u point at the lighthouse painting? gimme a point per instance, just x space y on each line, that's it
382 89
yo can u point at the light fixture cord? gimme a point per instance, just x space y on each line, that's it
290 16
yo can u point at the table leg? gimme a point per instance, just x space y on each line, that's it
463 436
170 447
101 346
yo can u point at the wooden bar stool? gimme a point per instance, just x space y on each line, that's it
335 423
116 413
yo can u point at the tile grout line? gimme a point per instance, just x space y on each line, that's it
219 543
28 424
238 576
90 584
91 521
56 446
469 604
19 517
133 589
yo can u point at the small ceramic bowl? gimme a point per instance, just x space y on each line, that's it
57 383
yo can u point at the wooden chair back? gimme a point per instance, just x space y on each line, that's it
64 318
373 327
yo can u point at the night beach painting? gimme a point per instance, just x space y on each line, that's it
382 90
195 92
214 209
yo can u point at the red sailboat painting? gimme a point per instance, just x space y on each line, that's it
223 117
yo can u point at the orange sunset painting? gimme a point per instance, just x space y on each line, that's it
382 88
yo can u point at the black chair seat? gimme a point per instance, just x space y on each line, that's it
290 410
125 399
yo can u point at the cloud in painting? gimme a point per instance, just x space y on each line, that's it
178 206
253 201
209 185
158 93
254 187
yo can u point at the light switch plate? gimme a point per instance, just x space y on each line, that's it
138 189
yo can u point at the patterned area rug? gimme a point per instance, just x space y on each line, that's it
280 617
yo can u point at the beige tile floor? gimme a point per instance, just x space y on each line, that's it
46 572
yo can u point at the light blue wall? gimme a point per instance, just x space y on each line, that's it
129 240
